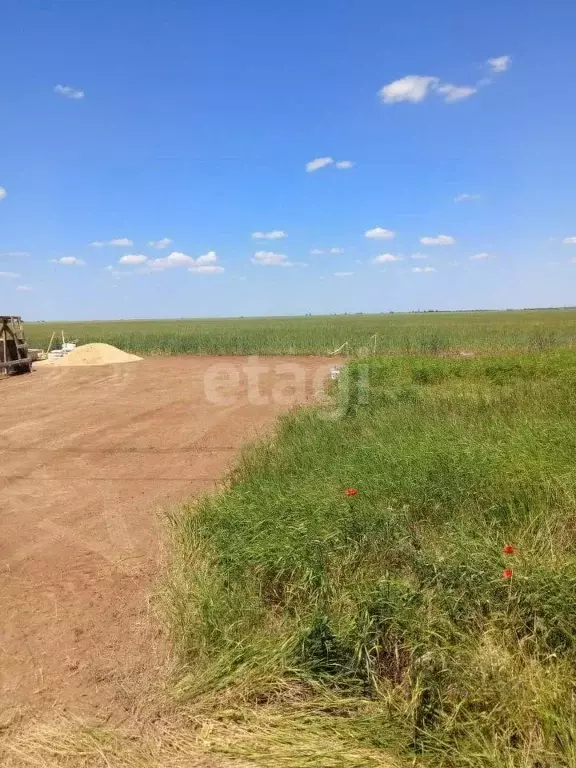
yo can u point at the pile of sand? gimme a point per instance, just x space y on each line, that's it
93 354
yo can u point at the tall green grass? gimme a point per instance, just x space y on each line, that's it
382 622
395 333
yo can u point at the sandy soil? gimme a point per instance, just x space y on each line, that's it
89 460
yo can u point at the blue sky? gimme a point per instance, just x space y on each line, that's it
142 122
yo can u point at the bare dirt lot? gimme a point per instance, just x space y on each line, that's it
90 458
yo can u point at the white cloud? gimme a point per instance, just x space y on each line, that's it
122 242
320 251
68 92
206 269
3 193
481 256
10 274
343 274
413 88
423 269
23 288
419 256
207 258
133 258
275 234
455 92
499 63
163 243
317 163
386 258
69 261
344 164
463 196
15 255
378 233
110 268
569 240
177 259
270 259
174 259
438 240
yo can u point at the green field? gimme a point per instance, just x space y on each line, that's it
432 332
380 628
316 629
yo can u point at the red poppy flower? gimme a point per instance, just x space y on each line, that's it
508 573
509 550
351 492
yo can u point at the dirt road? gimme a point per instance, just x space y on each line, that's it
89 460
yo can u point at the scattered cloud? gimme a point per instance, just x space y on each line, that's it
499 63
133 258
317 163
207 258
412 88
463 196
322 162
121 242
423 269
378 233
207 269
438 240
162 243
23 287
416 88
419 256
320 251
386 258
69 261
174 259
270 259
455 92
481 256
343 274
570 240
204 263
10 274
3 193
68 92
15 255
275 234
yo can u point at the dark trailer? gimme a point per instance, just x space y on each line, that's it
14 356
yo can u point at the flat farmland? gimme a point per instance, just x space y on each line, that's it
415 333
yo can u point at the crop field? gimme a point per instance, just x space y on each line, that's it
432 332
